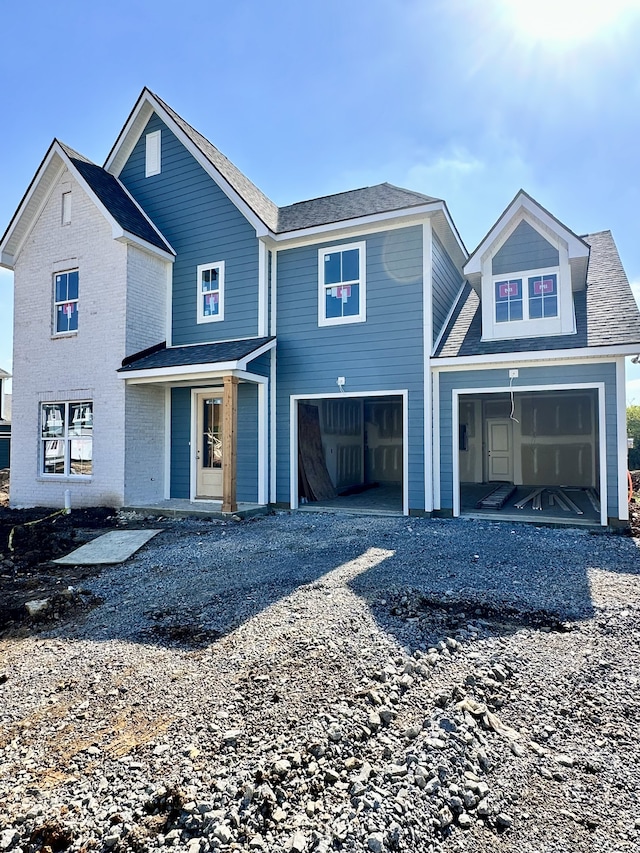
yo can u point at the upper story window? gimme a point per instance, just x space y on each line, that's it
342 284
153 154
65 302
66 443
526 297
211 292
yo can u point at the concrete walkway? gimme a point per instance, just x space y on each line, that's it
113 547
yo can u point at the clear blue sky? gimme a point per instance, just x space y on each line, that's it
467 100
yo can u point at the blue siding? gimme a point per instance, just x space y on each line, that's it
525 249
384 353
180 442
247 471
203 226
446 285
260 365
528 376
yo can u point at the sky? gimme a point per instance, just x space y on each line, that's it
466 100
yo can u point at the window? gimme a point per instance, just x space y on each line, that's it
66 431
153 159
211 292
508 300
65 307
543 296
541 301
66 208
342 284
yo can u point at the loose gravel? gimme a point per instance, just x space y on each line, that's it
314 682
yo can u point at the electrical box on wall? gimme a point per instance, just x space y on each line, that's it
513 373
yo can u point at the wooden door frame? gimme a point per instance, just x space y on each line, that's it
196 393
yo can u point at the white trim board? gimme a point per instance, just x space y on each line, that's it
623 459
427 343
456 393
293 437
565 356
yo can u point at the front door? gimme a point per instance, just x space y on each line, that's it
209 447
499 450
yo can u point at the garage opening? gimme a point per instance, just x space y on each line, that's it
532 455
350 453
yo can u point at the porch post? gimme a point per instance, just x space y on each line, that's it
229 443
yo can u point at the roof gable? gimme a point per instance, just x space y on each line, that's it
252 202
524 208
128 220
606 313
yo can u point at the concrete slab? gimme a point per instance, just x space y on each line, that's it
113 547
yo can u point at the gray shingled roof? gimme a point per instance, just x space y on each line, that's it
199 354
606 312
113 196
380 198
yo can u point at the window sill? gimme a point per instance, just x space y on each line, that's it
61 335
64 478
341 321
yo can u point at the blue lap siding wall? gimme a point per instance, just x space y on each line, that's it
385 353
446 284
570 374
525 249
203 226
247 449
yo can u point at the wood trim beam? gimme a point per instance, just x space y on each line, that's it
229 443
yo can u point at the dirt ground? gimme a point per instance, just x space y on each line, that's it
31 539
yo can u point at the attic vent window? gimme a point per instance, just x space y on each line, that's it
66 208
153 154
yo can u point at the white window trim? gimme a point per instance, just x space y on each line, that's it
361 316
214 318
153 154
66 439
524 278
562 324
54 332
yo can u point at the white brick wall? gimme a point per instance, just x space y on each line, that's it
81 366
145 444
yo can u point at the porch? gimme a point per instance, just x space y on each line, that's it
179 508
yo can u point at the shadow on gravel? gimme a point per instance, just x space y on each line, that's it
193 585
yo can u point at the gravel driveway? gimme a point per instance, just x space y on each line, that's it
315 682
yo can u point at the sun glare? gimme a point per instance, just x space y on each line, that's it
568 21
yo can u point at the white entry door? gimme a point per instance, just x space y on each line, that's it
209 446
499 450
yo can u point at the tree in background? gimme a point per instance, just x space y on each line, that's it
633 431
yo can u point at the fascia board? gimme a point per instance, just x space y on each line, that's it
577 247
48 163
129 135
181 371
581 353
243 362
127 237
132 132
